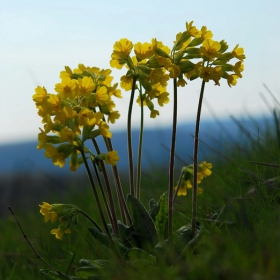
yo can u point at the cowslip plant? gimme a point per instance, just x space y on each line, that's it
81 111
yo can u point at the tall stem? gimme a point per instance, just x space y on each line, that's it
171 163
89 218
96 197
138 181
129 140
124 208
195 159
109 192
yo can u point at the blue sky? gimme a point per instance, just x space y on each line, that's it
38 38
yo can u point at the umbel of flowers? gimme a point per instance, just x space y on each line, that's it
77 113
81 110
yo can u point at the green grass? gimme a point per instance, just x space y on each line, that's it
244 244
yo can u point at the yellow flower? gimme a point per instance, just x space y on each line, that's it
40 96
53 103
154 113
122 48
59 233
86 86
112 158
205 168
238 68
50 150
232 80
46 211
238 52
104 129
206 73
174 71
181 82
115 62
194 32
157 75
67 88
113 116
182 190
42 139
59 159
143 51
88 117
101 95
210 48
67 73
163 98
114 91
126 83
206 34
67 134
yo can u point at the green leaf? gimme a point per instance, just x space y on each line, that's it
172 247
154 208
86 132
134 254
52 275
186 66
88 272
184 37
146 85
195 42
104 239
126 235
162 217
70 123
144 227
91 269
96 263
94 134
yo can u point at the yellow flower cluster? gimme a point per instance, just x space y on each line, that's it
67 214
154 63
152 79
76 113
187 178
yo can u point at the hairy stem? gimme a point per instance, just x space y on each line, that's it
96 197
171 163
195 159
109 192
90 219
138 181
129 140
120 193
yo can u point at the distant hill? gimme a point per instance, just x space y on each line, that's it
19 157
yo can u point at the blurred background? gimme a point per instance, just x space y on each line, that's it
38 38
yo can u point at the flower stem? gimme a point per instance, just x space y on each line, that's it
109 192
138 182
195 159
171 163
96 197
90 219
129 140
121 198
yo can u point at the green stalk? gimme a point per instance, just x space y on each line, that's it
171 163
109 192
90 219
124 208
129 140
138 181
96 197
195 160
103 195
